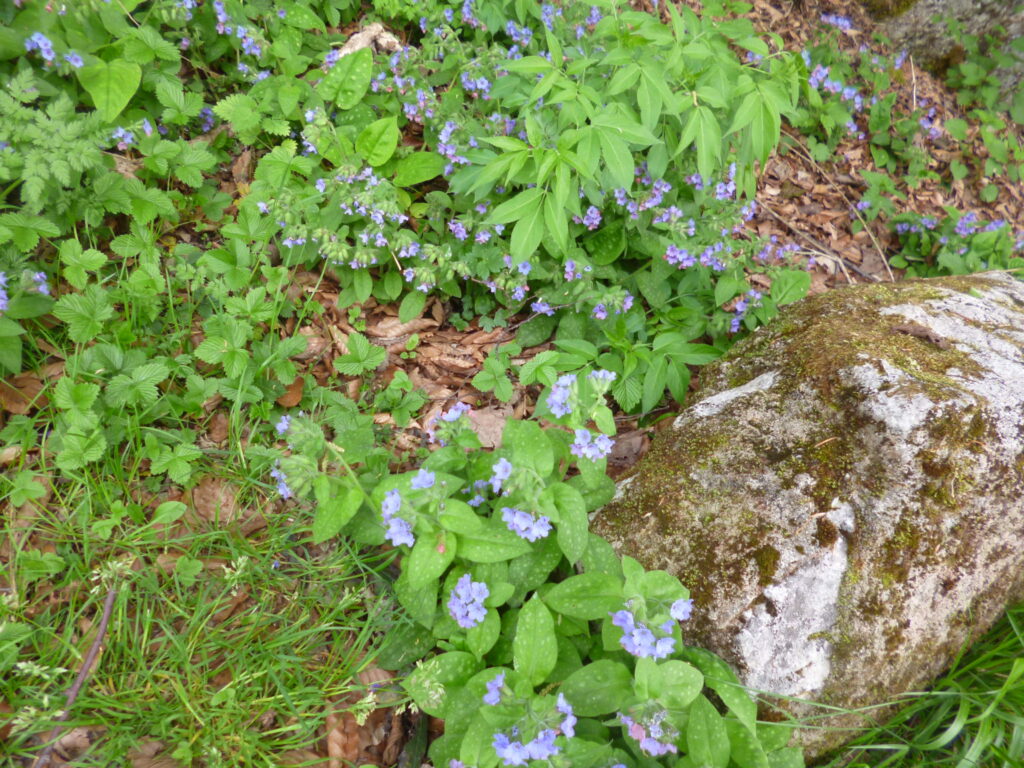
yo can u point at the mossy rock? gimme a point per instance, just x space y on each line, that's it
845 499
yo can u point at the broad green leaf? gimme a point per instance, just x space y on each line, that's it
301 17
111 84
589 596
618 160
347 81
430 557
789 285
334 512
417 168
599 688
526 203
534 648
378 141
707 741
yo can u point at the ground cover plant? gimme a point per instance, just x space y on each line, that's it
184 182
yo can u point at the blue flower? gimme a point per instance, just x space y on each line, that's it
283 424
282 482
74 60
681 609
586 446
511 752
638 639
561 393
542 308
493 695
501 471
392 503
525 525
424 479
568 724
466 604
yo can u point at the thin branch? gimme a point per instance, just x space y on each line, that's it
108 606
822 248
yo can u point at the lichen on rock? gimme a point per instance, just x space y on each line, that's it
845 498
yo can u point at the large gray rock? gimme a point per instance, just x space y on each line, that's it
845 499
920 27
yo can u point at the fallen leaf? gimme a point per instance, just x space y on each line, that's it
217 431
293 393
214 500
20 393
489 423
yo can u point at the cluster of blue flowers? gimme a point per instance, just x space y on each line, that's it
4 298
282 482
751 298
837 21
466 604
525 525
656 736
639 640
40 42
559 400
587 446
399 530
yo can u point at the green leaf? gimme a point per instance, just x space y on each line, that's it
572 520
526 203
484 635
707 741
534 648
75 262
85 313
111 84
618 160
417 168
301 17
242 112
334 511
493 544
361 357
430 558
411 306
529 446
378 141
527 235
789 285
598 688
588 596
745 750
347 81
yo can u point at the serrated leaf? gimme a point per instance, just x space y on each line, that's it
85 313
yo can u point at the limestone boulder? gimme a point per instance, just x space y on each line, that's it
845 496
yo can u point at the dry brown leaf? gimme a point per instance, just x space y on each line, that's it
217 431
20 393
241 168
214 500
293 393
391 328
488 423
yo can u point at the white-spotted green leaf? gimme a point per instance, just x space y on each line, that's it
534 648
347 81
378 141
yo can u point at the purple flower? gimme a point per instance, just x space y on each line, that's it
40 42
4 299
543 745
561 392
283 424
282 482
125 138
568 724
600 312
424 479
501 471
493 695
602 375
837 21
466 604
681 609
511 752
399 530
455 412
458 229
525 525
542 307
638 639
587 446
592 218
73 59
524 267
39 278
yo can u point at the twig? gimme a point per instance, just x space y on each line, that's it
874 240
108 606
824 249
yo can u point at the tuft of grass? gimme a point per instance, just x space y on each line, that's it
226 649
973 717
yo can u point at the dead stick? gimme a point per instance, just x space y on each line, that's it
108 606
